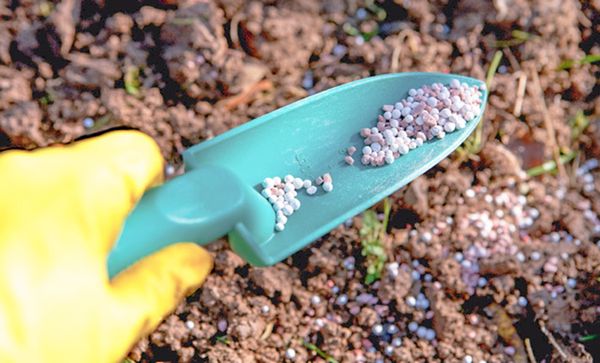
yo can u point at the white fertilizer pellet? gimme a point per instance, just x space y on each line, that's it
311 190
283 194
429 112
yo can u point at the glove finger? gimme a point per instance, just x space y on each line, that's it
151 288
116 168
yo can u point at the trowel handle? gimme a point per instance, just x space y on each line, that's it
198 206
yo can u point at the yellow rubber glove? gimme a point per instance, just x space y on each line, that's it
61 209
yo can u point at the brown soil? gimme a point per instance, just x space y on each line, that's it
504 261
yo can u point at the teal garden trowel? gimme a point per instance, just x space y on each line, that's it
219 193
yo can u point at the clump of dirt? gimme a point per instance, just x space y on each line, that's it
483 260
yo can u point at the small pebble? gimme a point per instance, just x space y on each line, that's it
426 237
468 359
328 187
315 299
88 122
189 324
411 301
290 353
413 326
415 275
389 350
169 170
392 329
522 301
349 263
377 329
571 283
430 334
342 299
422 332
265 309
396 342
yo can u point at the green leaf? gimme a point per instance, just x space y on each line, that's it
521 35
550 165
370 278
223 339
578 124
350 29
132 81
328 358
587 338
489 78
473 144
570 63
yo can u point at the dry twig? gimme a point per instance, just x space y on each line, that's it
529 350
246 95
520 94
548 124
553 341
512 59
395 59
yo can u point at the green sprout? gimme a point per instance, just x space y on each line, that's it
328 358
578 124
518 37
378 12
132 81
372 232
588 338
223 339
353 31
570 63
47 99
473 144
550 165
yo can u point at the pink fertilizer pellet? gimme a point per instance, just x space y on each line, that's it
429 112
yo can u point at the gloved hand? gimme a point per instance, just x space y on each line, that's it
61 209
